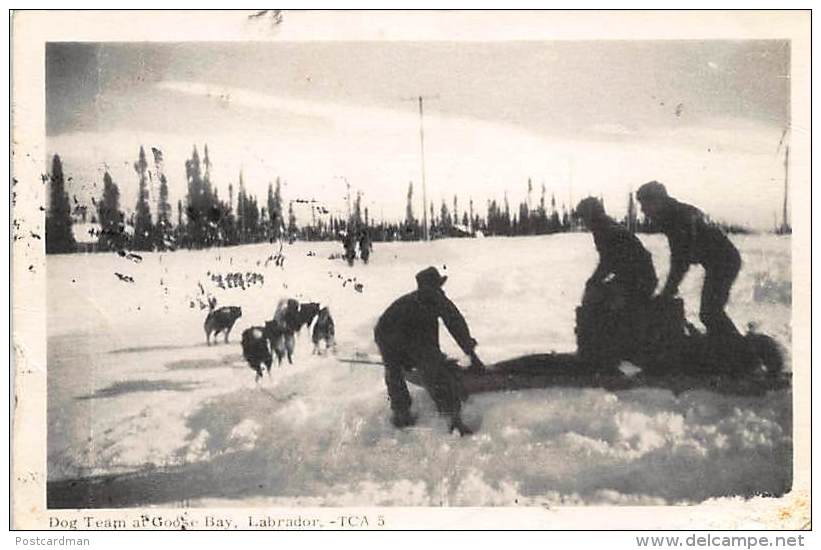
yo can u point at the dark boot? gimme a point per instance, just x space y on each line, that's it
457 424
403 419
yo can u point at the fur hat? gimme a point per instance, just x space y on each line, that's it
590 207
651 190
429 277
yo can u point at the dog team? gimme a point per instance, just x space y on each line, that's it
277 337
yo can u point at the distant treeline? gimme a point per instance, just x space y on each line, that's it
205 220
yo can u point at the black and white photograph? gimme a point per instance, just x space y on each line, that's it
491 272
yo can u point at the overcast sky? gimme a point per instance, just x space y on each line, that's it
579 117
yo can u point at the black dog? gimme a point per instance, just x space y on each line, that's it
292 315
221 320
281 339
287 314
307 312
324 330
255 350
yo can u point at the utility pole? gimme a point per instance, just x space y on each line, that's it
348 197
785 226
420 100
424 185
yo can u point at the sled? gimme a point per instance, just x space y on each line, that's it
567 370
655 337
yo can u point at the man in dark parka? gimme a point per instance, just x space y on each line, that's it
407 335
693 240
625 266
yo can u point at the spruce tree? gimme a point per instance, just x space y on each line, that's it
253 220
444 218
206 174
271 208
524 219
242 211
541 223
195 200
163 206
277 221
491 216
555 222
506 225
142 220
112 234
292 228
211 207
163 230
180 234
59 237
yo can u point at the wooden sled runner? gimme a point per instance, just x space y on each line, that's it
557 370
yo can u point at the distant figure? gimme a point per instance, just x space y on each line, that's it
255 350
365 246
220 320
625 273
324 330
407 334
349 244
693 240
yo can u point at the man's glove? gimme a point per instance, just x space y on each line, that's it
476 364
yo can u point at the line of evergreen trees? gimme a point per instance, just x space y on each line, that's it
529 220
204 219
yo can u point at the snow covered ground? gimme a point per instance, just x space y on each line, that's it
132 387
